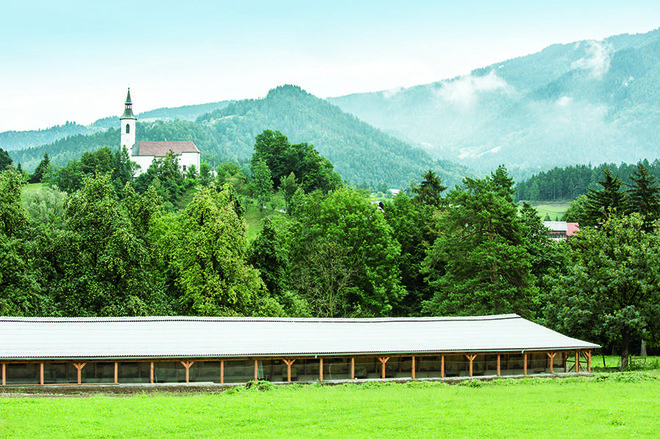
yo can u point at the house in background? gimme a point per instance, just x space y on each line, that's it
561 229
144 153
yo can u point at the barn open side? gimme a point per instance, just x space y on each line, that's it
128 350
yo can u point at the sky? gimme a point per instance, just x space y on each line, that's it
73 60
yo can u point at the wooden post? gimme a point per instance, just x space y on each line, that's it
187 365
588 354
525 364
256 370
151 373
471 358
442 366
79 366
577 361
321 369
288 368
552 360
116 372
413 367
41 374
222 371
4 374
352 368
499 368
383 360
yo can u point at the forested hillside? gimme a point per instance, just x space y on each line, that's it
580 103
360 153
15 140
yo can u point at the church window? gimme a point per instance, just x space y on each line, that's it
128 129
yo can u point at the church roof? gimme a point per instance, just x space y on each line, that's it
160 149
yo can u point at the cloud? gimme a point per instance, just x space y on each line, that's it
598 59
388 94
465 90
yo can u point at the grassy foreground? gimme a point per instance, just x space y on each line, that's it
604 406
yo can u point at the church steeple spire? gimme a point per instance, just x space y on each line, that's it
128 110
128 124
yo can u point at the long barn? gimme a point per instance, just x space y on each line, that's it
42 351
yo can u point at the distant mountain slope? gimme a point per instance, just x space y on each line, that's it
15 140
359 152
586 102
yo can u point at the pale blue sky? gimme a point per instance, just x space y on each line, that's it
73 60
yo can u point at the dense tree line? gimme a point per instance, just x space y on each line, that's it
171 244
566 184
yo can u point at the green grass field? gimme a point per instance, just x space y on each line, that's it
31 188
603 406
554 210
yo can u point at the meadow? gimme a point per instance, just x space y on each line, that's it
603 405
554 210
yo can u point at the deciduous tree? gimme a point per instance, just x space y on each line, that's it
611 290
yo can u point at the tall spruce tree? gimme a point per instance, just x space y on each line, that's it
479 264
644 196
602 204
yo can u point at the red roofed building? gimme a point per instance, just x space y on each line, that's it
144 153
561 229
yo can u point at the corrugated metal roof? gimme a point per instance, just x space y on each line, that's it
160 149
161 337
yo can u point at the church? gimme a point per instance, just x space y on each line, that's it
144 153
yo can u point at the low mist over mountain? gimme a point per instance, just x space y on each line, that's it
586 102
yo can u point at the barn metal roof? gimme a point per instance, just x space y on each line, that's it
199 337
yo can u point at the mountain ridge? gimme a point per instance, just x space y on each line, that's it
582 102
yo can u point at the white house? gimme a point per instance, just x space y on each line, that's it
144 153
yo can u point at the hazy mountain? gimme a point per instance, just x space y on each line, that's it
359 152
586 102
14 140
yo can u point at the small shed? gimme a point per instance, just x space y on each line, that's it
40 351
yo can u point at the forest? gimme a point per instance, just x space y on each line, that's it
96 242
568 183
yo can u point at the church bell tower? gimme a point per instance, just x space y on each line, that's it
128 120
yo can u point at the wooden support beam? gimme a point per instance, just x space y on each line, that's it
552 360
577 361
499 367
41 374
588 355
413 367
471 358
4 374
79 366
187 365
383 360
442 367
256 370
116 372
151 373
321 369
222 371
288 368
525 364
352 368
